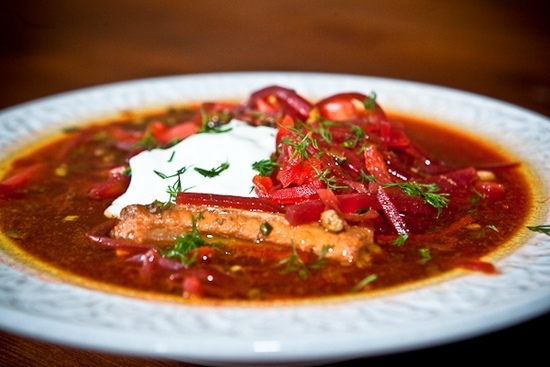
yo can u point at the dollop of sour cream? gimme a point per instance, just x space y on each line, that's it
155 171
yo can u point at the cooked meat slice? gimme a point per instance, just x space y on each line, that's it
148 223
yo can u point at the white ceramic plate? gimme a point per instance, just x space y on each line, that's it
453 310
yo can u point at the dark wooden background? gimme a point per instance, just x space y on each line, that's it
498 48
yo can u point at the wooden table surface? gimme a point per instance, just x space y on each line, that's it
496 48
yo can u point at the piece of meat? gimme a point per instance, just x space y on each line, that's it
151 223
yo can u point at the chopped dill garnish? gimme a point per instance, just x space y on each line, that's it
478 194
321 260
330 181
210 126
359 134
213 172
429 192
294 263
264 167
400 240
173 190
185 244
324 132
367 280
300 147
365 177
425 254
127 171
543 228
148 141
370 102
492 227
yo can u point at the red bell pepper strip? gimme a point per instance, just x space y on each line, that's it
192 286
289 101
490 190
25 177
355 107
292 195
295 172
164 134
283 128
353 207
125 139
110 189
375 165
262 185
342 106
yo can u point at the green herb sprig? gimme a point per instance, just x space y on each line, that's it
295 264
400 240
330 181
264 167
300 146
173 190
321 260
543 228
359 135
367 280
370 102
185 244
429 192
213 172
209 126
425 255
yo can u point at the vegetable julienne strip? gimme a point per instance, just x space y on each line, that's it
229 201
